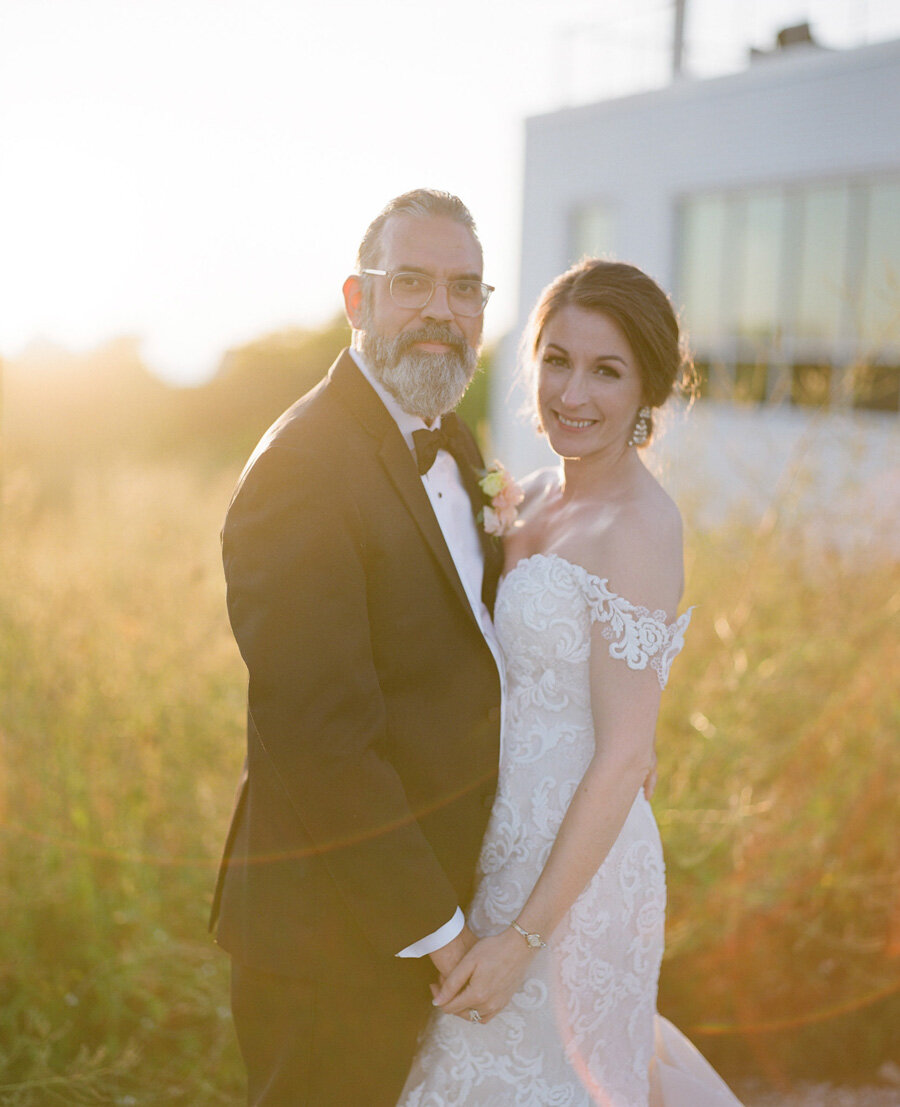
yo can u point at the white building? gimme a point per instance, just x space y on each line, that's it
768 204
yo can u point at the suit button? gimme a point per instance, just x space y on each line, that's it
494 715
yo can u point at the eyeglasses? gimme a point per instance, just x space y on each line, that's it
414 290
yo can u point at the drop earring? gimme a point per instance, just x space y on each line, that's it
641 430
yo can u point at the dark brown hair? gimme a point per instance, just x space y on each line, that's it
638 306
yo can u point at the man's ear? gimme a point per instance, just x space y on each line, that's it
353 298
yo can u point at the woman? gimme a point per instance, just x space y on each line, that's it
556 1003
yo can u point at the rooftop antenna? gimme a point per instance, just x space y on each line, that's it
678 39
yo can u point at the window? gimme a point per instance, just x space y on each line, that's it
823 295
879 309
592 231
758 250
794 293
703 266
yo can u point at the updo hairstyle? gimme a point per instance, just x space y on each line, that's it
642 311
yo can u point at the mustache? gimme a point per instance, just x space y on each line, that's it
431 332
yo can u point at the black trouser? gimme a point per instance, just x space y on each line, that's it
316 1043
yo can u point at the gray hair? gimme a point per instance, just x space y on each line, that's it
420 202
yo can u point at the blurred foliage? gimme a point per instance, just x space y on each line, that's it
475 405
255 384
61 408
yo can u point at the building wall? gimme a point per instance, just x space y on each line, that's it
803 116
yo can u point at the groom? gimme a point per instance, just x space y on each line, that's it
359 589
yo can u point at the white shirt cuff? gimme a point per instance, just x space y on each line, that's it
438 939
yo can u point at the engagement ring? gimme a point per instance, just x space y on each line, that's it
473 1015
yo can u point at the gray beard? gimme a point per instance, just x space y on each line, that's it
423 384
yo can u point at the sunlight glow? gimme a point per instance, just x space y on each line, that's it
198 172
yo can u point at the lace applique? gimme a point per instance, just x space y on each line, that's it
636 635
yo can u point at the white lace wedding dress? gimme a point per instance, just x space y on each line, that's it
583 1029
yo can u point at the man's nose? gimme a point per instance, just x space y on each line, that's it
438 307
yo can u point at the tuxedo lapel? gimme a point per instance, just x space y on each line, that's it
362 400
491 547
493 567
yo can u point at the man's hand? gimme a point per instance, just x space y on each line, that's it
449 956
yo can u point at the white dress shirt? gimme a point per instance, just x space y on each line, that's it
453 511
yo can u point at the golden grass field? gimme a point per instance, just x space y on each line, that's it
121 738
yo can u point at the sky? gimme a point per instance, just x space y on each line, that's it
198 173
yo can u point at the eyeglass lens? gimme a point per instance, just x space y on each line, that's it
414 290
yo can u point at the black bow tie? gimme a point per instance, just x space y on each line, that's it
428 442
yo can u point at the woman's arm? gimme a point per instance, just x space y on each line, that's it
625 706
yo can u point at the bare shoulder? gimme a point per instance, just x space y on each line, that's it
640 553
536 484
537 488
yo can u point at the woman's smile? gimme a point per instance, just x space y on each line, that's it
589 384
574 424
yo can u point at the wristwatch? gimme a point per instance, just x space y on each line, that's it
534 940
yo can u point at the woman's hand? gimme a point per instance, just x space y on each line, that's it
487 978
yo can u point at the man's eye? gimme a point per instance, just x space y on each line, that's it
409 282
468 290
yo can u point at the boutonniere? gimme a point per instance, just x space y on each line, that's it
499 516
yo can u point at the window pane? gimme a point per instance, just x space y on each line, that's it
880 314
592 231
760 252
822 285
702 262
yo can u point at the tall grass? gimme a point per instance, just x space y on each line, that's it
779 763
121 710
121 721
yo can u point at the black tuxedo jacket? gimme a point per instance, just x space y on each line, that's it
374 701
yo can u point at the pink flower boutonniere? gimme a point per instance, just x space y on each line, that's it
505 496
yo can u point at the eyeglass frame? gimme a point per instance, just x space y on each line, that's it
487 289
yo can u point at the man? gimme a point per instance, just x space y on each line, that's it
358 589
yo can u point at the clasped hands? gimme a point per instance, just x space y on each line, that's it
484 974
486 977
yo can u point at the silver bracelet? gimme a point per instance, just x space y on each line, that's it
534 940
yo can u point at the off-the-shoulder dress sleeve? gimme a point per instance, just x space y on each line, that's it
636 635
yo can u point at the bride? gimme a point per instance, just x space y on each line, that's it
555 1003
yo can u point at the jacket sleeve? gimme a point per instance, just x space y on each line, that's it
294 553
